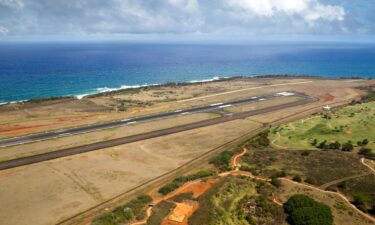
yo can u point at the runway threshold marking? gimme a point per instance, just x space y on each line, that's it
252 88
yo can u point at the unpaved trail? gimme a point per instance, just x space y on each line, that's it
236 172
326 185
234 159
367 165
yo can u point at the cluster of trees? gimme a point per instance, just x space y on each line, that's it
347 147
261 140
303 210
135 209
367 152
179 181
222 161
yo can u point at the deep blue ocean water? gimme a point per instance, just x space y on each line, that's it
57 69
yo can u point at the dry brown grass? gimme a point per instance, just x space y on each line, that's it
48 192
103 135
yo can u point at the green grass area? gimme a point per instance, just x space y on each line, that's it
135 209
318 167
352 123
238 201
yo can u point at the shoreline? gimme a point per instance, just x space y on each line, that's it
105 91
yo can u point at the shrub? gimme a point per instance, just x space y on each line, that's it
179 181
222 160
297 178
347 147
303 210
125 213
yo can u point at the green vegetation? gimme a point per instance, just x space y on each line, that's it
53 98
222 161
238 200
135 209
123 105
367 152
183 196
179 181
261 140
362 192
159 212
350 127
317 167
303 210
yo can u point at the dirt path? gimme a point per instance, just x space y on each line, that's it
334 193
326 185
367 165
236 172
234 159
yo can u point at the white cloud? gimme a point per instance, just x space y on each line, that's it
3 30
309 10
15 4
186 5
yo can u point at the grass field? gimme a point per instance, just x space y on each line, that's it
351 123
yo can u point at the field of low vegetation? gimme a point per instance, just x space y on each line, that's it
361 191
315 167
236 201
352 127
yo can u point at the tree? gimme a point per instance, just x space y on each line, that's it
347 147
334 145
314 142
364 142
323 145
303 210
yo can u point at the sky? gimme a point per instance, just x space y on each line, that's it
187 20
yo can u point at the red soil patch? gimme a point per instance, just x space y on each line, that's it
197 188
14 130
327 97
181 213
73 119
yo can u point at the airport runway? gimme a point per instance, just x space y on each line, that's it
144 136
96 127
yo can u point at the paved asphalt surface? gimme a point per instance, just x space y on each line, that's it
91 128
96 146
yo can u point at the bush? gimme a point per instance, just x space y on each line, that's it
347 147
367 152
303 210
179 181
363 201
297 178
261 140
222 160
125 213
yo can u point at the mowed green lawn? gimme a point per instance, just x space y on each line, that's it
351 123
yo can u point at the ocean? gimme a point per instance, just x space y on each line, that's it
36 70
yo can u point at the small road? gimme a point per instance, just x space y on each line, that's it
128 121
139 137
